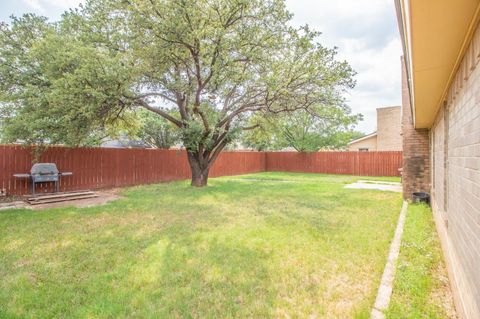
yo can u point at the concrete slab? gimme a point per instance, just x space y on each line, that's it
378 182
103 198
381 186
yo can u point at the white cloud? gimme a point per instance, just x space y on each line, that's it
53 9
35 4
42 6
64 4
366 35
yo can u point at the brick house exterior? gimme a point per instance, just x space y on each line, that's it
389 128
441 130
388 136
416 150
455 152
366 143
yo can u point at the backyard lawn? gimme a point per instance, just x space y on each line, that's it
260 245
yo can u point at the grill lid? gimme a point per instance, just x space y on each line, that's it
44 169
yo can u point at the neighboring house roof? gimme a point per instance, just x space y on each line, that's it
125 144
434 35
363 138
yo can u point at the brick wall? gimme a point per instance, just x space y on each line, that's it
416 149
389 129
456 181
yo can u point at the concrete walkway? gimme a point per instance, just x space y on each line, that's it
386 285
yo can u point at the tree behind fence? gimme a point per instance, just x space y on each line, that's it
95 168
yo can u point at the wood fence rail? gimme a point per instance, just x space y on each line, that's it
95 168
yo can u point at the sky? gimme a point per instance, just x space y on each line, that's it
364 31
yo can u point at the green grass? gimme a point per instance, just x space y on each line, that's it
257 246
421 287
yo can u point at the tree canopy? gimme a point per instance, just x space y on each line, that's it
321 128
157 131
206 66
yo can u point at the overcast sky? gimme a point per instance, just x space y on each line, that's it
365 32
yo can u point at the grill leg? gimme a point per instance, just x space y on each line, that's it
33 188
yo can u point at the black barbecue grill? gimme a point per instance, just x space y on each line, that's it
44 173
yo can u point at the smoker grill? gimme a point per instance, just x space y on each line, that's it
44 173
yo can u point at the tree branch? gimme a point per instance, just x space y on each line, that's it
160 112
215 153
250 127
166 97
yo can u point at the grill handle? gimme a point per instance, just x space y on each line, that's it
46 173
65 174
21 175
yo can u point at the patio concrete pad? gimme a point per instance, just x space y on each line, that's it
103 198
378 182
377 185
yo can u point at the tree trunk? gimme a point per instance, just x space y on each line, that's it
200 169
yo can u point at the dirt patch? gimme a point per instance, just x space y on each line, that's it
13 204
442 294
9 199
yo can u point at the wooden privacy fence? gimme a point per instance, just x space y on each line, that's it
95 168
115 167
352 163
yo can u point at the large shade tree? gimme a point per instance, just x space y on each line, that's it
215 63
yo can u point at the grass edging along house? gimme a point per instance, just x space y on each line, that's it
441 129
